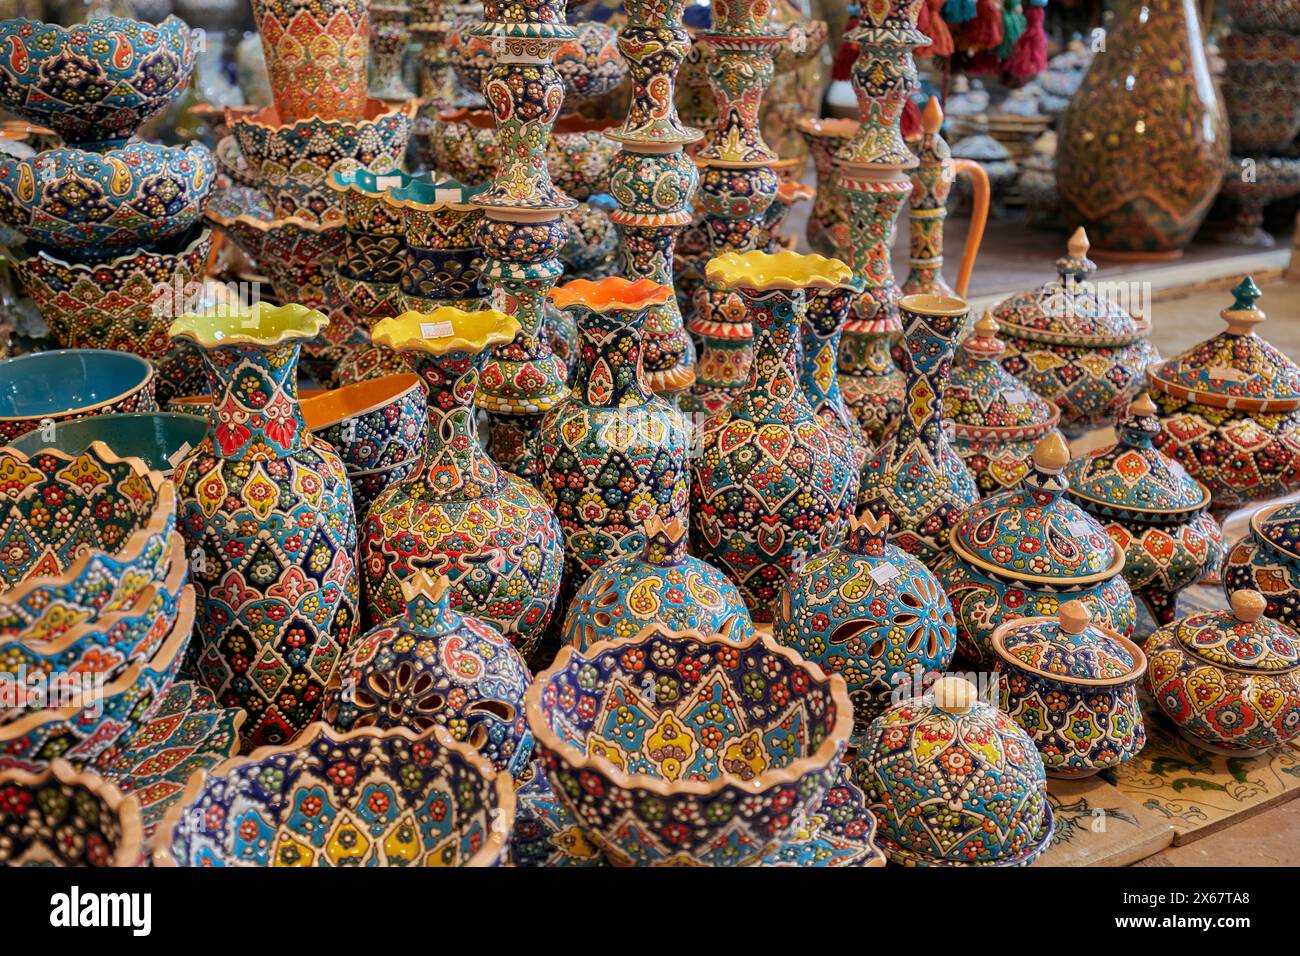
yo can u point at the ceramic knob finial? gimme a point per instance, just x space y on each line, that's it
1243 315
954 695
1142 406
932 117
1078 246
987 326
1247 605
1052 454
1074 617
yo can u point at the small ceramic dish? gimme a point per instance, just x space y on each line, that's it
156 438
45 388
373 424
58 816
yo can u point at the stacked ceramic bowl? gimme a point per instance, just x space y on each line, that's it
95 612
113 242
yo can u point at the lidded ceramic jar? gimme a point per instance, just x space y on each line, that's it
1073 345
870 612
1229 680
953 781
995 418
1072 686
1152 508
1230 409
1024 552
1268 561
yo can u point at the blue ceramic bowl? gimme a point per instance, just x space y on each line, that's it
153 437
51 387
93 82
89 204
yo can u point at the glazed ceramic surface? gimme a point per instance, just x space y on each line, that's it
639 737
1260 84
153 437
1229 680
871 613
372 424
316 53
819 375
269 524
773 484
45 388
1072 687
365 798
60 817
1268 561
828 223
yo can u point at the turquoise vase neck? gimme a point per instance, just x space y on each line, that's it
609 373
774 372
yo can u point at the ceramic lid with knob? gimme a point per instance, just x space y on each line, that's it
1070 648
1242 639
1133 476
1035 533
982 396
1069 310
1280 527
954 781
1236 369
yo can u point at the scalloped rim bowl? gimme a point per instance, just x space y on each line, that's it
445 329
130 846
261 324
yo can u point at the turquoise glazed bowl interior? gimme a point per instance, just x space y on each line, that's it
638 736
67 381
153 437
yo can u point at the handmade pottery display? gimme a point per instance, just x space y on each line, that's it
662 586
713 739
873 614
721 324
1072 686
590 64
370 267
773 484
819 375
461 514
156 438
1261 90
1074 345
442 231
363 798
916 479
1230 410
390 34
1229 680
436 667
316 55
42 389
59 817
995 418
1267 560
613 453
268 520
953 781
1151 508
1023 552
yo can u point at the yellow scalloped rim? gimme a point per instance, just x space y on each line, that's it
610 294
782 270
262 324
470 331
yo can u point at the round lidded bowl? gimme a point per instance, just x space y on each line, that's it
49 387
62 817
156 438
954 781
1072 686
1229 680
384 797
676 748
1073 345
1268 560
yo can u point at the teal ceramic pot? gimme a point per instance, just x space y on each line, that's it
661 586
437 667
94 83
670 750
153 437
873 614
365 798
90 205
46 388
1072 687
1268 561
62 817
1024 552
268 519
953 781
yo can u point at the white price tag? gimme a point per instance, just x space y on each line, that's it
1017 396
435 330
178 455
388 182
447 195
883 574
1227 374
1079 527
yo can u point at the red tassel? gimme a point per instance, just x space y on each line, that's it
978 64
1029 57
985 31
936 29
846 55
911 121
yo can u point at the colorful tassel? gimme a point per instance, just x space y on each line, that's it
911 120
959 11
1029 57
846 55
937 30
1013 27
985 31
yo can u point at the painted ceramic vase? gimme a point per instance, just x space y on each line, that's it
721 323
1261 80
1268 561
871 613
316 55
62 817
1073 344
1230 410
953 781
819 374
916 478
437 667
995 418
661 586
1145 136
269 524
390 34
441 262
1024 552
590 64
677 748
365 798
462 515
827 231
1229 680
1152 509
613 453
773 484
1072 686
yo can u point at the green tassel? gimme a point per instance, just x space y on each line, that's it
1013 26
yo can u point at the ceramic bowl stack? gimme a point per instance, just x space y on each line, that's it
41 391
95 612
113 241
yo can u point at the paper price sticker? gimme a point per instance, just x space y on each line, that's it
1017 396
1079 527
435 330
883 574
178 456
448 195
1227 374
